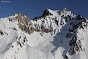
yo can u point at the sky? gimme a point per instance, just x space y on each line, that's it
35 8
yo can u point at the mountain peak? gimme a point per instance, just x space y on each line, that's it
63 11
50 12
46 12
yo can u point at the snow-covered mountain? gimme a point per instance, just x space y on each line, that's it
54 35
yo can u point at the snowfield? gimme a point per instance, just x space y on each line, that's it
54 35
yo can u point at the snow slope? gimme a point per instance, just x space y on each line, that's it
55 35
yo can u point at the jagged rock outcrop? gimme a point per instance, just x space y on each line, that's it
62 11
23 19
45 13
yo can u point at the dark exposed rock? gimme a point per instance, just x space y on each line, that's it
21 26
19 18
31 30
18 43
77 47
71 23
56 22
23 19
46 30
14 29
41 34
79 17
15 14
26 29
1 33
46 12
10 19
70 30
73 41
67 18
43 29
25 39
63 10
68 35
86 20
36 18
72 52
12 46
66 57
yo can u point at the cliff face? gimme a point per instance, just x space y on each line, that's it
54 35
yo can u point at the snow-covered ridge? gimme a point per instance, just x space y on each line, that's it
54 35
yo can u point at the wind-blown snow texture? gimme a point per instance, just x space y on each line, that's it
54 35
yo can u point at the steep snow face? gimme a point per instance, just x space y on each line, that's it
55 35
55 13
